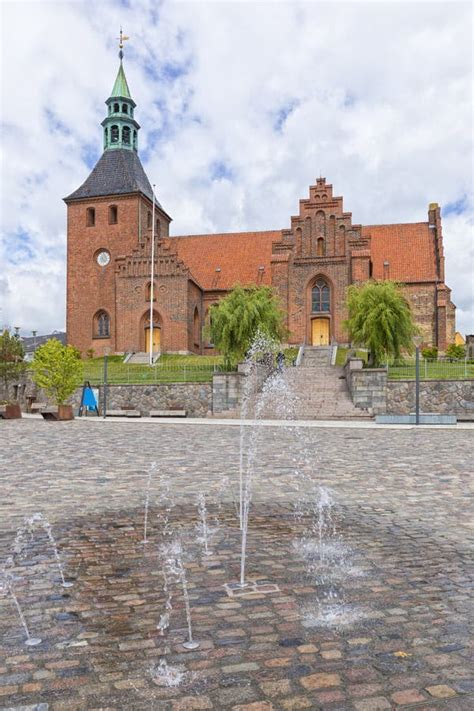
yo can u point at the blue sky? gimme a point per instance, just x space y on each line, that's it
242 105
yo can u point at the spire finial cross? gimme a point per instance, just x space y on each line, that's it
121 39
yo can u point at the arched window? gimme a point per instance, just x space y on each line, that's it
320 297
124 109
126 135
135 140
90 217
149 220
116 108
114 134
101 325
320 247
113 214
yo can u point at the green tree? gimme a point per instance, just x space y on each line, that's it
57 369
381 320
455 352
237 318
12 365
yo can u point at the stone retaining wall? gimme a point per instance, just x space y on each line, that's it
195 398
367 386
226 392
451 397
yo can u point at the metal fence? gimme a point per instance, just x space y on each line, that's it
442 369
125 374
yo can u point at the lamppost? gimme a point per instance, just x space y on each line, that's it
152 286
417 340
34 340
104 406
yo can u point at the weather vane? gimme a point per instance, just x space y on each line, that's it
123 38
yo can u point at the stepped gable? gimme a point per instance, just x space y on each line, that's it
220 261
117 172
138 263
409 250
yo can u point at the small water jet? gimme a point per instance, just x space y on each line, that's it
204 528
7 585
173 567
167 675
151 471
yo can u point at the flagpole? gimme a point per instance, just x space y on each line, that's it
152 275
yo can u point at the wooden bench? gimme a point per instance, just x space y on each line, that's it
123 413
168 413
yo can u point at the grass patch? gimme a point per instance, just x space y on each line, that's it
432 370
342 352
168 369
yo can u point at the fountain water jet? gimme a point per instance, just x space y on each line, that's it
7 584
151 472
174 567
202 508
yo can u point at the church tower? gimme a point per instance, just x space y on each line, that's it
108 216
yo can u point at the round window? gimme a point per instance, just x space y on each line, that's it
103 258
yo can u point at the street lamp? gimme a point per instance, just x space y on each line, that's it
417 340
34 339
104 406
152 286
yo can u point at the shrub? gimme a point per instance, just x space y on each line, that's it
430 353
455 352
57 369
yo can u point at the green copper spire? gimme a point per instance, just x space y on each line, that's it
120 127
121 87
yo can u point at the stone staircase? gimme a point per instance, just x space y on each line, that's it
142 358
317 390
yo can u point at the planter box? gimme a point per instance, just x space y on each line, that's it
11 411
59 413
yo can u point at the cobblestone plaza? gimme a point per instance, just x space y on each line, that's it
395 582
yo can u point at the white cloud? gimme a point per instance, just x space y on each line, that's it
376 96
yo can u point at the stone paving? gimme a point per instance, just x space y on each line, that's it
377 618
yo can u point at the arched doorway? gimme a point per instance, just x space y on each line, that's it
320 312
145 333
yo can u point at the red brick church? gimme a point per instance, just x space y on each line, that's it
310 264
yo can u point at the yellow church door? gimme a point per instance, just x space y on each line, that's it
156 339
320 332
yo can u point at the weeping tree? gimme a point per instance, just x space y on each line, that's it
380 320
236 320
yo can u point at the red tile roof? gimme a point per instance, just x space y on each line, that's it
238 255
409 250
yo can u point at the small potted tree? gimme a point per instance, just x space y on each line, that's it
58 370
12 367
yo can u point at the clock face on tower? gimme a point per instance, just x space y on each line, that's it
103 258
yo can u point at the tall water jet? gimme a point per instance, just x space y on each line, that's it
151 472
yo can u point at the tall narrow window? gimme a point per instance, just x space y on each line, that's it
113 215
135 140
90 217
124 109
196 328
116 108
114 134
149 220
101 325
148 291
320 247
320 297
126 135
